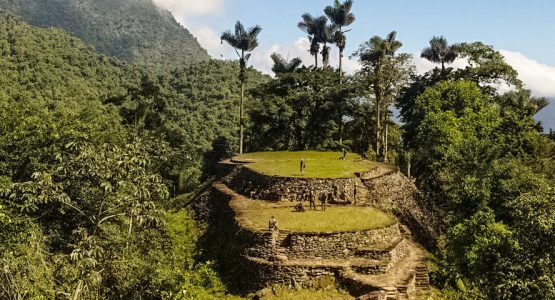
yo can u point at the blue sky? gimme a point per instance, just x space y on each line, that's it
522 26
523 31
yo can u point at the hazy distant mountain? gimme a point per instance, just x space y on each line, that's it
134 30
547 116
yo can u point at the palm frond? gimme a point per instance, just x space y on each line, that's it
440 51
241 39
229 37
283 66
239 29
429 54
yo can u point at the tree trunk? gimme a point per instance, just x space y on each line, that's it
341 130
341 48
241 118
409 158
386 140
378 128
316 61
325 56
242 78
340 66
340 83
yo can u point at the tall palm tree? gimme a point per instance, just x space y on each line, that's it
315 27
340 15
378 52
243 41
440 52
390 45
327 35
281 65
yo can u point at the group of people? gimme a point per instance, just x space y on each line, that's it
311 197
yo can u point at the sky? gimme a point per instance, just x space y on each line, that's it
521 30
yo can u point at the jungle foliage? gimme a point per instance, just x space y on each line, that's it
92 149
480 156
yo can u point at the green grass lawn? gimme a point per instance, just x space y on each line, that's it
335 218
282 294
318 164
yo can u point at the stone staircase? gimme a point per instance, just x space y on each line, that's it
422 283
361 192
407 279
373 273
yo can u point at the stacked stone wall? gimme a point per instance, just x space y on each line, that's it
251 260
273 188
339 245
272 273
273 246
395 193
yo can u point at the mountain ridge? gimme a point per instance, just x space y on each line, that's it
137 31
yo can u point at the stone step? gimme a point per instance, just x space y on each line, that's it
379 254
380 268
422 282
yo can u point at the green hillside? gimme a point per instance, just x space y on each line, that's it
66 228
134 30
189 107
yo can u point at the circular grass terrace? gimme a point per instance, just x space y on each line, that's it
318 164
336 218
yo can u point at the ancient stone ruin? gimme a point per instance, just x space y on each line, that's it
383 263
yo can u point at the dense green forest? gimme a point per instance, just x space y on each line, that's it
133 30
71 224
98 155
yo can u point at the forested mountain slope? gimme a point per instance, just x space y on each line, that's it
52 85
189 107
134 30
73 226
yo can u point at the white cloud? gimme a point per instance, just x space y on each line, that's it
537 77
184 8
423 65
185 11
210 40
261 56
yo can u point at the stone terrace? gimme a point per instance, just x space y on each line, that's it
381 263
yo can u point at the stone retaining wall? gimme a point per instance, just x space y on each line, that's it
266 273
278 245
264 258
340 245
395 193
257 186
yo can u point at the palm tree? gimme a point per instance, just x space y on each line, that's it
315 27
440 52
378 53
340 15
244 41
327 35
283 66
390 45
